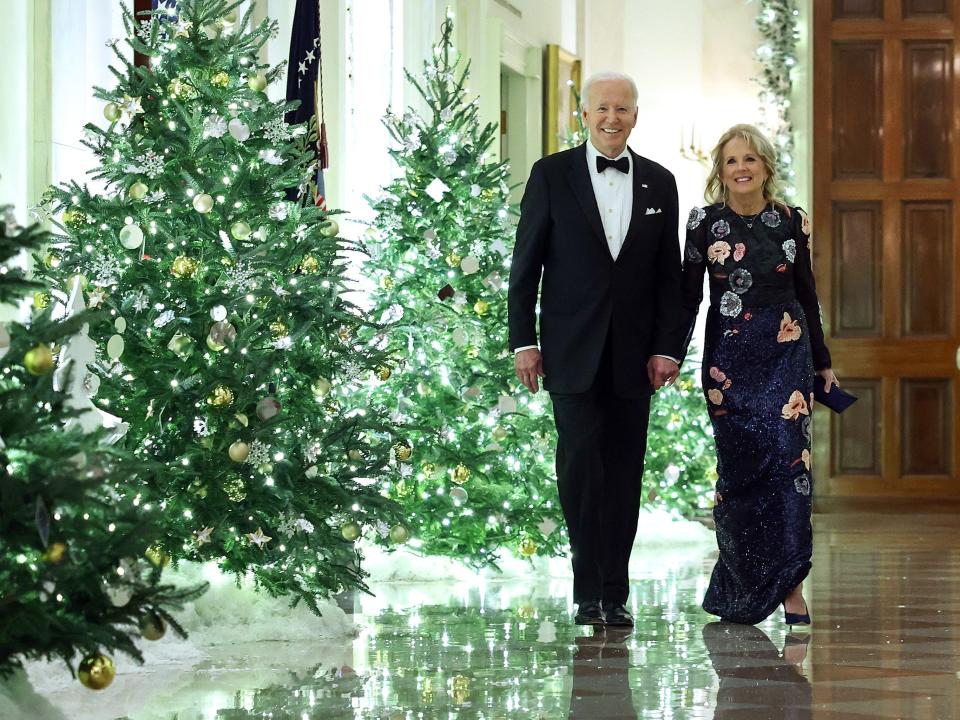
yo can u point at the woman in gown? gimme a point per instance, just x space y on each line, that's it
764 342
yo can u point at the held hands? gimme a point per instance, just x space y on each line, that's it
529 367
829 379
662 371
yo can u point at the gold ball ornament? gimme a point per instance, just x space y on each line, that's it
220 79
51 261
152 626
461 689
38 360
481 307
157 556
402 452
528 548
257 83
138 191
96 671
329 228
387 283
350 531
355 454
320 388
399 534
309 265
384 372
74 279
526 611
230 18
239 451
453 260
221 396
429 468
181 89
202 203
234 489
461 473
240 230
111 111
222 333
278 329
41 299
499 433
55 553
183 266
74 219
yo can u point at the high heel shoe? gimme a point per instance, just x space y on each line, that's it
792 619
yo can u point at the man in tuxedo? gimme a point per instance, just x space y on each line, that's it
598 236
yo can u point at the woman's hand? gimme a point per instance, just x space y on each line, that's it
829 378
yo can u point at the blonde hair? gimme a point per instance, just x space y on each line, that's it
716 191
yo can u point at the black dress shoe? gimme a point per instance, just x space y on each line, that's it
589 613
618 616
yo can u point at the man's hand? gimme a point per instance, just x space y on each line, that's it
662 371
529 367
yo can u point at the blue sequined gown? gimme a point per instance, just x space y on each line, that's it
764 338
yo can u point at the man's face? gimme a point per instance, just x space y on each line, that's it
610 114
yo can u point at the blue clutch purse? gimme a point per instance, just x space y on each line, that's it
837 400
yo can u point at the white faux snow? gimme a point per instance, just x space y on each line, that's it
224 615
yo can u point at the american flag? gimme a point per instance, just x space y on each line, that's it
303 81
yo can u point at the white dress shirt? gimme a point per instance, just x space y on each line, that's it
614 193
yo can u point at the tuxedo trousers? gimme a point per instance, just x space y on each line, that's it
601 442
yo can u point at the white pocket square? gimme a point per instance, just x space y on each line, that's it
651 211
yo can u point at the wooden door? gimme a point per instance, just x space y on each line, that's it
886 252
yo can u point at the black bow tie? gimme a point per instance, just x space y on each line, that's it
623 164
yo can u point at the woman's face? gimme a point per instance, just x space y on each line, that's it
743 171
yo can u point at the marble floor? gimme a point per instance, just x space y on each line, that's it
885 644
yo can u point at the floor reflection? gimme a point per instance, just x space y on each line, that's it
885 644
757 681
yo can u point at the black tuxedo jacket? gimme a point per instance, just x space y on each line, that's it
585 293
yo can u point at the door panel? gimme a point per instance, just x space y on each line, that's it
886 251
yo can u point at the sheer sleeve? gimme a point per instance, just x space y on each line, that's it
807 290
694 263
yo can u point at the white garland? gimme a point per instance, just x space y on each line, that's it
778 23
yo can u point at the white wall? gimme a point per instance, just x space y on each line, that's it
693 63
80 29
25 90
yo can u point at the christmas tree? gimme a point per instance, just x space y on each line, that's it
680 470
479 472
232 356
73 576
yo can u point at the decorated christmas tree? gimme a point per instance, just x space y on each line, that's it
680 470
231 355
479 470
74 582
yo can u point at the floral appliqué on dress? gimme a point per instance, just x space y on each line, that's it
789 329
795 407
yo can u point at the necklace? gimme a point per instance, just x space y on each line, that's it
749 220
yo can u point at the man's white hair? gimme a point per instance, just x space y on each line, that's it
604 77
